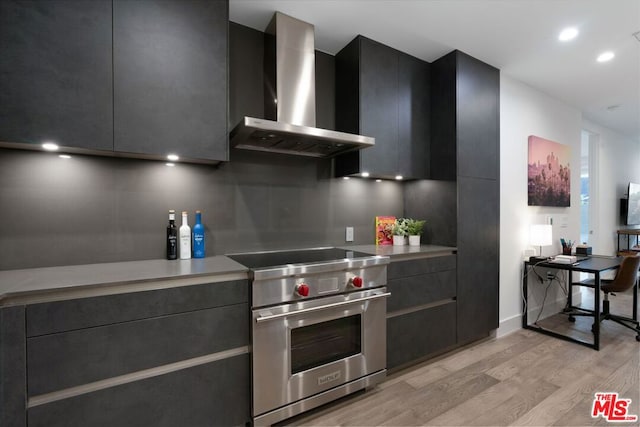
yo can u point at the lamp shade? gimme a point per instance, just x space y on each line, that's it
540 235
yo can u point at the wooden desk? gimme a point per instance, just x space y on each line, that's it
595 265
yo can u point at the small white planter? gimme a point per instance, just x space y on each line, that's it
414 240
398 240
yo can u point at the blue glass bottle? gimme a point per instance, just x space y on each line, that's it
198 237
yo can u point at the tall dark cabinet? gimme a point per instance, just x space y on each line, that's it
56 82
383 93
170 77
465 147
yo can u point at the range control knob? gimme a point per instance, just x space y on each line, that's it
356 282
302 289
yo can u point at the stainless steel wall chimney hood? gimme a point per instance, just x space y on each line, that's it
291 106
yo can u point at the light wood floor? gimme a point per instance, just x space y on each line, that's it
522 379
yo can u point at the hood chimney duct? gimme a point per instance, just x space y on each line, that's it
289 125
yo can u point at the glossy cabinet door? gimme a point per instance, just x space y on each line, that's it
170 78
56 70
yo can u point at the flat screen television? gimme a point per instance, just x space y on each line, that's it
633 205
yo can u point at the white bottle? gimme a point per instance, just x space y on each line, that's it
185 238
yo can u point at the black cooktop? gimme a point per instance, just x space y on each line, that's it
303 256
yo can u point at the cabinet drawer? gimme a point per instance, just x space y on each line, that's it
421 289
213 394
415 267
60 316
416 335
78 357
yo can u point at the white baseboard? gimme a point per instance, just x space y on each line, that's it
514 323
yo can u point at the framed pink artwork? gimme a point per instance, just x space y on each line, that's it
549 173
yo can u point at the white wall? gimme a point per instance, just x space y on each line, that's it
618 163
525 111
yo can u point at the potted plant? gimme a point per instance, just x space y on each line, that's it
399 231
414 230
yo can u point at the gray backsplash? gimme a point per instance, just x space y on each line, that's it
97 209
437 202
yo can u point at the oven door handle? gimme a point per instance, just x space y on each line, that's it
322 307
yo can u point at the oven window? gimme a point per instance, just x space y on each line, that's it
325 342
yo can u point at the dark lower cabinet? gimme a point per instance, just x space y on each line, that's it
56 76
413 336
74 358
49 318
167 357
416 267
421 311
419 290
170 78
478 257
13 354
213 394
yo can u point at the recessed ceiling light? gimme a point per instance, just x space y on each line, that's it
173 157
365 174
568 34
345 178
50 146
170 164
64 156
399 177
606 56
378 180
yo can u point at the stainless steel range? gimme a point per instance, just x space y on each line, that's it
318 327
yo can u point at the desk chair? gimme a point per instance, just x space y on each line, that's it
626 278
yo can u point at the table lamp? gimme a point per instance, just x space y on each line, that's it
540 235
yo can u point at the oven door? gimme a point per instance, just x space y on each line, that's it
305 348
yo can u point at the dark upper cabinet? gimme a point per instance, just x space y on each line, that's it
464 118
413 117
246 76
325 90
141 78
170 78
56 82
383 93
443 119
478 124
379 107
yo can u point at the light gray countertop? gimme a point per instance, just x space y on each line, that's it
53 283
77 281
397 253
